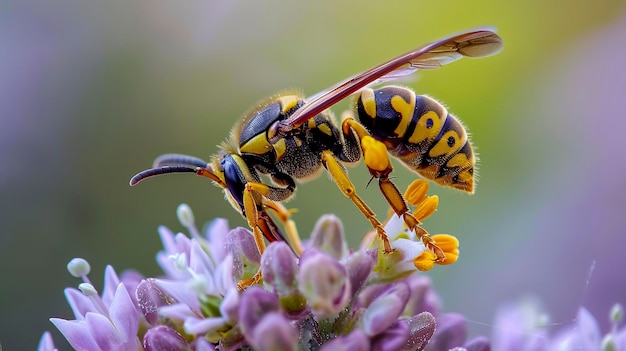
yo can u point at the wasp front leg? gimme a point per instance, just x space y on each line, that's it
376 159
270 199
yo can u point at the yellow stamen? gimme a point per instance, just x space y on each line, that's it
450 246
427 207
425 261
416 192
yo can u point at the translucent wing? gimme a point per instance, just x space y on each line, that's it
476 43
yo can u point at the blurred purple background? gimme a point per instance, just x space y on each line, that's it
90 93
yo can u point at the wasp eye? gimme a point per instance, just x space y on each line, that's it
455 178
451 141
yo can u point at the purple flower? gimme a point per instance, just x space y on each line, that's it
164 338
112 327
46 343
326 289
329 298
522 326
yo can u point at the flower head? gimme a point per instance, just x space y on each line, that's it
329 298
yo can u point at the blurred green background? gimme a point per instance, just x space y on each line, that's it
91 92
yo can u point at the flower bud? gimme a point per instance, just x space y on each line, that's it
246 257
150 297
274 333
254 304
164 338
393 338
328 236
324 283
359 265
421 329
385 309
451 332
279 267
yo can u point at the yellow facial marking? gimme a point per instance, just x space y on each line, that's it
405 109
324 128
280 148
422 132
311 123
287 102
257 145
369 102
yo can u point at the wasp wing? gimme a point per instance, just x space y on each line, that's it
476 43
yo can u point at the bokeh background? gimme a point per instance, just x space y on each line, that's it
91 92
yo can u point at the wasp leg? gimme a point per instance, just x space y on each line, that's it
377 161
340 177
284 215
257 218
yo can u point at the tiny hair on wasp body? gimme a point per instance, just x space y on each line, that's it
290 138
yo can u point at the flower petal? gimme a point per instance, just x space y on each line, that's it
393 338
356 340
111 282
79 303
451 332
77 333
255 303
103 332
124 314
46 343
385 309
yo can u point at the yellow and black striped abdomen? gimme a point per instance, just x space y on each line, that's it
421 133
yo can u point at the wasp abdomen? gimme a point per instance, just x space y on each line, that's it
420 132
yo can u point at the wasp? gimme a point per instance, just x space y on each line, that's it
290 138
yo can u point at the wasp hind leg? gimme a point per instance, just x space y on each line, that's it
344 183
376 158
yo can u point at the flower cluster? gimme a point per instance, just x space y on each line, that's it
329 298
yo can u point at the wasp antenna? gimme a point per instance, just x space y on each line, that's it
179 160
158 171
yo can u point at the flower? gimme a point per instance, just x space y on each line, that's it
103 322
329 298
523 326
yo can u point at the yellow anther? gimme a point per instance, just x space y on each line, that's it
426 207
450 245
375 154
425 261
416 192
